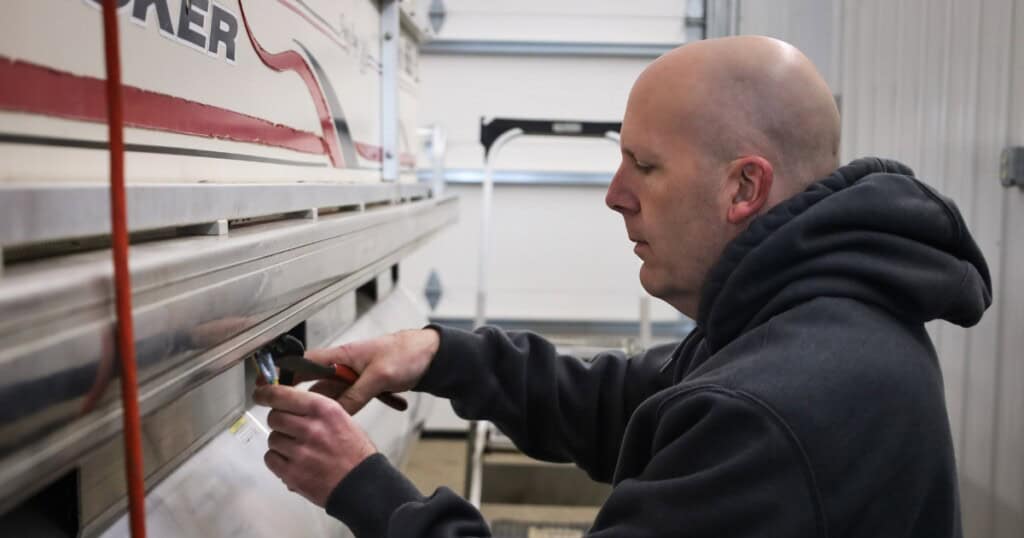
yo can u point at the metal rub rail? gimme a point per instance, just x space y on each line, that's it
201 304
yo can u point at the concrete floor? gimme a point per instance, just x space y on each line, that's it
442 462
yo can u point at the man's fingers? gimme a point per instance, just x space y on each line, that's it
286 423
283 445
352 398
330 388
355 355
290 399
357 396
276 463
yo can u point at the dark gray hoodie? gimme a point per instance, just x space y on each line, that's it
807 403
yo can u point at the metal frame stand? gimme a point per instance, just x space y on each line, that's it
434 140
494 135
390 28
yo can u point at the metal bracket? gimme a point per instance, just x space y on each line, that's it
491 130
390 33
1011 167
494 134
217 227
433 140
308 214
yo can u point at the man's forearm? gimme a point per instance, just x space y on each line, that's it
554 407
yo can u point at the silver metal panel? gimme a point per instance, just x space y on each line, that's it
201 303
32 213
224 490
169 437
521 177
324 325
549 48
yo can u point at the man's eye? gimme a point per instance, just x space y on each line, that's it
643 167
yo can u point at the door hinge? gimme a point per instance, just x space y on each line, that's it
1011 167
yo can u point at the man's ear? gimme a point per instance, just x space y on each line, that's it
750 179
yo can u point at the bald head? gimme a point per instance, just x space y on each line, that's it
716 133
750 95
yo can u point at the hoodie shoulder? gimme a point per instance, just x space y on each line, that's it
870 231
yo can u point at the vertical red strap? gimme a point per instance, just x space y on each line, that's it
122 277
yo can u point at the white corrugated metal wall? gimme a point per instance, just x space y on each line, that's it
938 84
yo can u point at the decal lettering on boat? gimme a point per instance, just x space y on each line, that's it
202 25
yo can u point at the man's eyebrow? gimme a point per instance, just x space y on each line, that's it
632 155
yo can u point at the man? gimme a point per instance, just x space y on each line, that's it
808 401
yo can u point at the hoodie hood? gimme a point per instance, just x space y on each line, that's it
870 231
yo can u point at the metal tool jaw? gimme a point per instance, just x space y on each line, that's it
291 360
287 356
266 367
277 355
287 346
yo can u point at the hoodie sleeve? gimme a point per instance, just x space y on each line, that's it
721 466
554 407
376 501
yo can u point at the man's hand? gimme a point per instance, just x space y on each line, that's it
392 363
314 443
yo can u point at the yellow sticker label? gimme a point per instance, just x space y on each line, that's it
237 425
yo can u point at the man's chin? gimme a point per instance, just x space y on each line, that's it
659 288
650 282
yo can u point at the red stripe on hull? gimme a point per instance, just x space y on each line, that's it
369 152
292 61
41 90
374 153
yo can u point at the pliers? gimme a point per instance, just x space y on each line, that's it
288 353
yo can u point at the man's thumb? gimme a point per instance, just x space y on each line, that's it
355 397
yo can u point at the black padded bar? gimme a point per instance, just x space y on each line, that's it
491 130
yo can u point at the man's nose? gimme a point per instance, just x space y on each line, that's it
620 197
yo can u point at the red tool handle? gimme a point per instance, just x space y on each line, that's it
350 376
